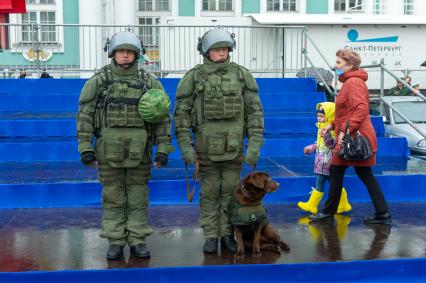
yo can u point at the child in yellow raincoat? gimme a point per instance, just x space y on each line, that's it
323 153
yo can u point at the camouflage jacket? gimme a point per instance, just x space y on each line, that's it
90 118
189 118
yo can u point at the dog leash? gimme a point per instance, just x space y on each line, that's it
190 193
254 167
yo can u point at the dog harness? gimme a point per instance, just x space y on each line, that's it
246 214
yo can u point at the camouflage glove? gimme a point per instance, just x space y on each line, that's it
161 158
253 150
88 157
188 155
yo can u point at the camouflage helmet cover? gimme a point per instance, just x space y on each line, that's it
154 106
215 38
124 40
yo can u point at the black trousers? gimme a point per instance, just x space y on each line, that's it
337 173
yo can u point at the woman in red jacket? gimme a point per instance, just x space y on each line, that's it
352 104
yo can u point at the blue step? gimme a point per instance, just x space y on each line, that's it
292 189
65 148
56 124
61 95
66 171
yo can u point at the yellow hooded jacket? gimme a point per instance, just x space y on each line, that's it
329 110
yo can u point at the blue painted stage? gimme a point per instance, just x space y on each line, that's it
49 202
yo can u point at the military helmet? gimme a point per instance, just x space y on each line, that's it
215 38
124 40
154 106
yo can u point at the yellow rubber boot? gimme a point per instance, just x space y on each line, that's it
312 204
344 205
314 231
342 225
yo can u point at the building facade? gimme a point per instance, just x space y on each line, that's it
70 35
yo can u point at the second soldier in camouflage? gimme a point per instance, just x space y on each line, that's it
218 102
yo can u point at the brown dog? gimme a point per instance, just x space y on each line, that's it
248 216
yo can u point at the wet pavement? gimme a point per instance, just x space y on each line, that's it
68 238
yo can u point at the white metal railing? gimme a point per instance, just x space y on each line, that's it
73 50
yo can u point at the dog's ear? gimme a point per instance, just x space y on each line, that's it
269 184
256 180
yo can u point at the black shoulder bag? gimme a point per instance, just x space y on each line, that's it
355 148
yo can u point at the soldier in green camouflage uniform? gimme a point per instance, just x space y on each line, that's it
218 101
108 110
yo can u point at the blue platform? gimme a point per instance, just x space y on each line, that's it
401 270
40 168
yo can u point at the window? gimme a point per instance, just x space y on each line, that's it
408 7
162 5
47 34
355 5
339 5
217 5
379 7
281 5
44 2
348 5
27 31
273 5
413 110
149 34
153 5
47 1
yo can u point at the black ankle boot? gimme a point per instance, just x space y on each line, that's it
378 218
228 243
210 246
321 217
140 251
114 252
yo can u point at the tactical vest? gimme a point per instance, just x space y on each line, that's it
218 113
246 215
122 130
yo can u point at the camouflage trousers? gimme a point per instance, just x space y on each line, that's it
217 181
125 202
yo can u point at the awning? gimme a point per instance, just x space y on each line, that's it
346 19
12 6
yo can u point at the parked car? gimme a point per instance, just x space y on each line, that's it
414 108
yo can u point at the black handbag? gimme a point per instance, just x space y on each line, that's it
355 148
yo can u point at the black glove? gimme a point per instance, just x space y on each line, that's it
161 158
88 157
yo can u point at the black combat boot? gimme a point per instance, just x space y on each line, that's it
140 251
228 243
321 217
115 252
378 218
210 246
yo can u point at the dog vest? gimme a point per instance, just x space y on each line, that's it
240 215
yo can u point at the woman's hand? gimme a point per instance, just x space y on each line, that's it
340 138
325 130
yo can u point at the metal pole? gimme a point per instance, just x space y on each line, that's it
316 47
283 55
382 84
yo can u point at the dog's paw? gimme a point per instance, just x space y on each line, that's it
284 246
256 254
239 255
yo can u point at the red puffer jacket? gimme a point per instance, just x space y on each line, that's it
352 103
